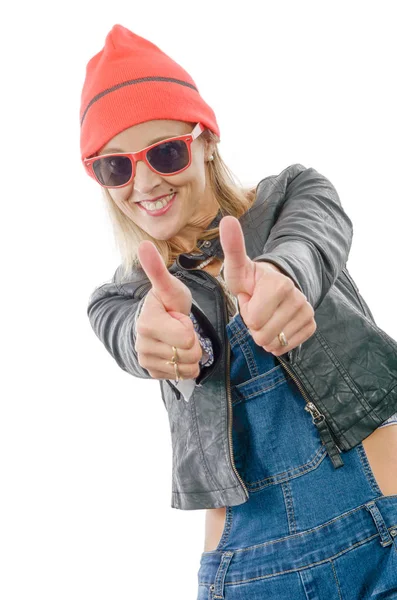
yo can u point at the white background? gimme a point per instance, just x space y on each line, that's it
85 447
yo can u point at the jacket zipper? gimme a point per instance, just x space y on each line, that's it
229 400
318 418
139 288
310 406
228 391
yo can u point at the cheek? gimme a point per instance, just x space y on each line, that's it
193 179
198 175
120 198
121 195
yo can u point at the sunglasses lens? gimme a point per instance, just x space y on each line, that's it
113 171
169 157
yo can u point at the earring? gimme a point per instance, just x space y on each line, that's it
211 158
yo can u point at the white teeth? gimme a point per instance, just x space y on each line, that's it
158 204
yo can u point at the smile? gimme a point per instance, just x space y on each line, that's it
159 207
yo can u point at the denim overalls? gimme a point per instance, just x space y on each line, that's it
308 530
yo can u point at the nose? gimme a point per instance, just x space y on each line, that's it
145 179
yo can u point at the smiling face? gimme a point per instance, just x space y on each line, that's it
194 199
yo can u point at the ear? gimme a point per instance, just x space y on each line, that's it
209 144
210 148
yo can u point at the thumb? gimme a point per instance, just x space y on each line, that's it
170 291
239 271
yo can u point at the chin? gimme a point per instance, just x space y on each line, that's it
163 238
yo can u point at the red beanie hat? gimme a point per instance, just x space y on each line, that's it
131 81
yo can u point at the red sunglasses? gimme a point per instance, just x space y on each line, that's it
167 157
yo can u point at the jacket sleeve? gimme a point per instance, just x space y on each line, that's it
311 238
112 316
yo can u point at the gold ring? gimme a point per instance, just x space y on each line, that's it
174 362
282 339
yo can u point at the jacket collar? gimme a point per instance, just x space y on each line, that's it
213 247
207 247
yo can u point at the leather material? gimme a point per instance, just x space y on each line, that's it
347 369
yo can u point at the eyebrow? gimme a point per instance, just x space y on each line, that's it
158 139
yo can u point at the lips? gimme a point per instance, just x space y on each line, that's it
153 199
160 211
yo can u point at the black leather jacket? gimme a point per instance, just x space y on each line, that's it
346 371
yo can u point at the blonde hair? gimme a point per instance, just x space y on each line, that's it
232 198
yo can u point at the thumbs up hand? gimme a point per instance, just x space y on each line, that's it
269 301
164 321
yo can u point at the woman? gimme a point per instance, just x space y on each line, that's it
307 377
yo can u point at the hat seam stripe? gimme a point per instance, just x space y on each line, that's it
134 81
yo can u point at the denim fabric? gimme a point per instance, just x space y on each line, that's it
307 530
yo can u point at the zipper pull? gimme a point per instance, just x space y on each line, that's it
320 422
315 413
